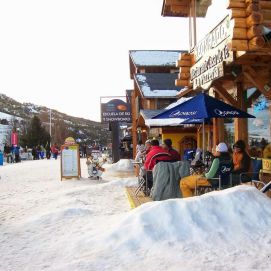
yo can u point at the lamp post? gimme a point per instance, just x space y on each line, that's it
50 116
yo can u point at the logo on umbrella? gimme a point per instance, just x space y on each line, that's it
179 113
226 113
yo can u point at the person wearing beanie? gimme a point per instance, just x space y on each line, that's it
168 147
221 165
241 161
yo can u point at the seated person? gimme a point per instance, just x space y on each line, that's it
221 165
168 147
256 162
189 153
241 162
155 155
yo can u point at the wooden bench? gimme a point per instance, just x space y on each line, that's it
136 200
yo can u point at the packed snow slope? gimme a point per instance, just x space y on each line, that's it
46 224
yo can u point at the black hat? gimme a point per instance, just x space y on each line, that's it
168 142
240 144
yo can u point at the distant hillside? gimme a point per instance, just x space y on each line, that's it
83 130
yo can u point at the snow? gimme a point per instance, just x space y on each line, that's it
84 224
155 58
148 92
168 122
8 117
32 108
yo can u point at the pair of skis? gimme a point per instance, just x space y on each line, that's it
266 187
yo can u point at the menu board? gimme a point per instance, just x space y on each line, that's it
70 161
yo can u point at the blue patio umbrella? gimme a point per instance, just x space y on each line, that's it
203 107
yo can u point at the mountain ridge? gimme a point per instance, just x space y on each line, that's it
84 130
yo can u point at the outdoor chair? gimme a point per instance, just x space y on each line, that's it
252 176
219 183
223 181
145 178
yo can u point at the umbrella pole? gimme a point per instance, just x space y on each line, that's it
203 141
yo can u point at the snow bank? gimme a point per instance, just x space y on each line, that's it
232 216
123 168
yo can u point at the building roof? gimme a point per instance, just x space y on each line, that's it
180 8
152 58
147 115
157 85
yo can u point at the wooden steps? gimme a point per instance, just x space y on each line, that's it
136 200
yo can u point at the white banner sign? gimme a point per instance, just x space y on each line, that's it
211 66
213 39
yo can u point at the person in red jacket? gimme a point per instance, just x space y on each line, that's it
168 147
54 150
156 154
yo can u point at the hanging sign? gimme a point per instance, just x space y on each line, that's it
14 138
116 110
221 32
211 54
70 160
211 66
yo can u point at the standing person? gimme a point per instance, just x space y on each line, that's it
140 149
17 154
7 153
34 153
241 162
54 150
48 152
42 152
168 147
85 151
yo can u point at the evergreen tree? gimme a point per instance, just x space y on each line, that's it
35 134
60 131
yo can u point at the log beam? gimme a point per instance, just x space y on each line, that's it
258 81
265 4
224 94
253 97
236 4
240 125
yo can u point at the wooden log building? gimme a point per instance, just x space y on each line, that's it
233 58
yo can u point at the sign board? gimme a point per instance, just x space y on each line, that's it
266 164
211 66
221 32
70 161
211 54
115 110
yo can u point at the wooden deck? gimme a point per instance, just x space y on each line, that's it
136 200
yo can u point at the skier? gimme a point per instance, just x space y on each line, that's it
95 169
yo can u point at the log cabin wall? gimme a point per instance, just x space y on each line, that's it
252 57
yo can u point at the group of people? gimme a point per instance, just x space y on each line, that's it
223 162
12 153
151 153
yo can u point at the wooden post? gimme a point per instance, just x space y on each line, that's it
115 141
221 129
240 125
134 117
215 133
